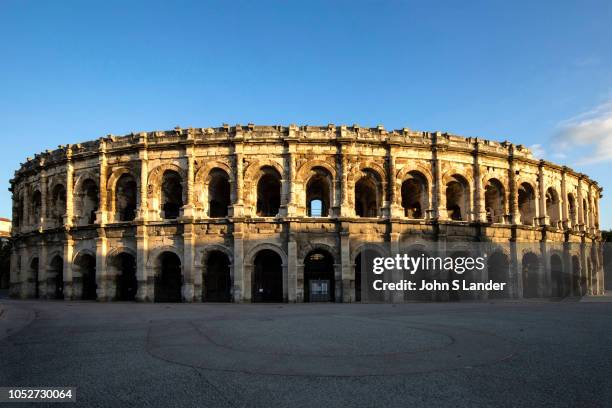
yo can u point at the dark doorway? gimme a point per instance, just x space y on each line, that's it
498 267
87 264
125 197
556 276
267 277
319 282
127 284
90 200
169 280
217 280
268 193
56 273
172 194
576 279
367 196
530 272
34 275
218 193
364 290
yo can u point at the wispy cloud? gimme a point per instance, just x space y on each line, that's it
587 137
537 150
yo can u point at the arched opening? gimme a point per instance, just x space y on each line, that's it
171 195
530 273
319 280
585 212
494 201
89 201
36 207
58 203
414 195
218 194
526 204
217 280
34 276
576 278
268 192
86 265
556 276
364 264
125 197
267 277
368 190
56 277
318 193
459 258
553 207
127 284
168 279
573 213
498 267
457 198
422 276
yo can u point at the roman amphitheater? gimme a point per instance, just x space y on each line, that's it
287 214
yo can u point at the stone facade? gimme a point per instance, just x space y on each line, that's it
252 213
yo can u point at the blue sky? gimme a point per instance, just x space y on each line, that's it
536 73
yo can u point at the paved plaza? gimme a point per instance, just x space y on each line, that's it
537 353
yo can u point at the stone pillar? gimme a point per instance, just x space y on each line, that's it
42 268
480 212
67 272
347 272
292 272
189 270
515 278
580 207
146 280
563 200
544 279
188 210
290 151
102 213
242 288
143 207
42 222
395 195
23 273
513 207
237 209
346 210
543 218
14 278
69 189
438 199
106 290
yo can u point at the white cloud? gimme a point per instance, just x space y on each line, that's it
589 134
537 150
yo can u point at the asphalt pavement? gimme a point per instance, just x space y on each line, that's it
488 354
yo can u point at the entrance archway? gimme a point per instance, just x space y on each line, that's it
319 282
34 275
530 272
87 268
267 277
127 284
168 280
498 267
56 277
217 280
556 276
364 265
